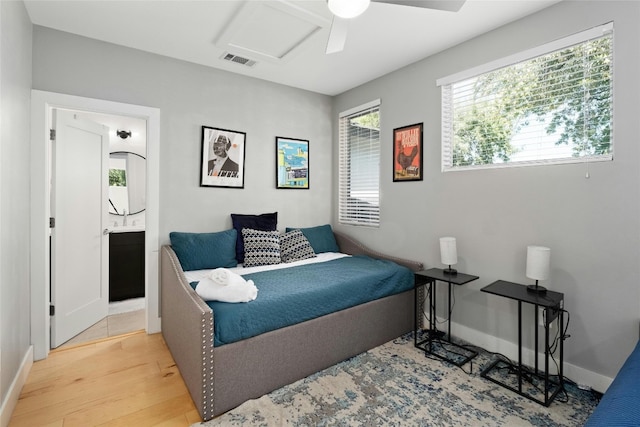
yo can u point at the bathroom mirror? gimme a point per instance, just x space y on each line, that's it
127 183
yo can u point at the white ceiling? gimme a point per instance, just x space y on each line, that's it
287 39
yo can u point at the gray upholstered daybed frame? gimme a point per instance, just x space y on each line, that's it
222 378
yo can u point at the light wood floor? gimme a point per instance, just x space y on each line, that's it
130 380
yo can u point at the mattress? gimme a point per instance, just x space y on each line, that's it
287 296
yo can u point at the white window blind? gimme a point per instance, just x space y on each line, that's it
551 104
359 166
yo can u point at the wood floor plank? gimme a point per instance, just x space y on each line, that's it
80 389
128 380
170 412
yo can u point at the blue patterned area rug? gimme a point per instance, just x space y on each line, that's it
397 385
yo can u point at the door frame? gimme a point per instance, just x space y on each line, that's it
42 103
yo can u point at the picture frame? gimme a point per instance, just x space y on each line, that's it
222 161
407 153
292 163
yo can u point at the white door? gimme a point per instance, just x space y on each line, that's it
79 204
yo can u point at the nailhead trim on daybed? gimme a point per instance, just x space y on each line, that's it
207 368
206 318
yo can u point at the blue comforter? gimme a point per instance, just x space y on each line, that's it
293 295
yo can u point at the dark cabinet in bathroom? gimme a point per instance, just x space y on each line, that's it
126 265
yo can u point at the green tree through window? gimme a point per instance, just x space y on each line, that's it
117 178
557 105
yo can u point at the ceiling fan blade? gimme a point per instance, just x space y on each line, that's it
337 35
449 5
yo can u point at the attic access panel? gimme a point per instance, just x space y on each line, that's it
270 31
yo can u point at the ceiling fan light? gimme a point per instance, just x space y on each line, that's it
348 8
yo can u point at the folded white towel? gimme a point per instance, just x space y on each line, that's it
240 292
225 277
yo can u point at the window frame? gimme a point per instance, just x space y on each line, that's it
348 212
447 113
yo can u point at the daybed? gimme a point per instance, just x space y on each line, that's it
620 405
221 378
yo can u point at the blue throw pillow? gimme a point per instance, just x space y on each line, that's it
321 238
263 222
200 251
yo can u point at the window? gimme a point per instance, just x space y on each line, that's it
551 104
359 163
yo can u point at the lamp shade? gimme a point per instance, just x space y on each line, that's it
538 258
448 251
348 8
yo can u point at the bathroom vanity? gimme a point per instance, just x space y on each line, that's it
126 264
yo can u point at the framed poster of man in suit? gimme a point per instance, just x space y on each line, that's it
223 153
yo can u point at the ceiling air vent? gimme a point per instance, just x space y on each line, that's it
238 59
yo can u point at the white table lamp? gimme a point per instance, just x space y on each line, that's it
448 254
538 258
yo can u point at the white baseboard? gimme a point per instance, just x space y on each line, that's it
154 324
490 343
13 394
587 378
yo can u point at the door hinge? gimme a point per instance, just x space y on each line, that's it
52 310
52 134
52 222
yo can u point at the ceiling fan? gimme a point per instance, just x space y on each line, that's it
344 10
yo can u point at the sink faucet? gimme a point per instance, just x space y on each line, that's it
124 221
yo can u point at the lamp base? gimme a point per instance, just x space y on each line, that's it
536 289
450 271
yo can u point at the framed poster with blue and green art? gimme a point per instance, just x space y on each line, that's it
292 163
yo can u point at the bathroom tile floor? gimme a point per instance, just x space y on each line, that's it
115 324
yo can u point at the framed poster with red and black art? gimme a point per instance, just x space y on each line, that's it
407 153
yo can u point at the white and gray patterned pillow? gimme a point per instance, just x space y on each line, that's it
294 246
261 247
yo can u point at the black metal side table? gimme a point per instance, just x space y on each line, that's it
435 342
552 304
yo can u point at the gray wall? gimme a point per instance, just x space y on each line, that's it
591 225
190 96
15 91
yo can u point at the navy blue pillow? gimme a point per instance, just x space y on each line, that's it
321 238
262 222
200 251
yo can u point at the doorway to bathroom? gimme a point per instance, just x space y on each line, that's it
43 105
